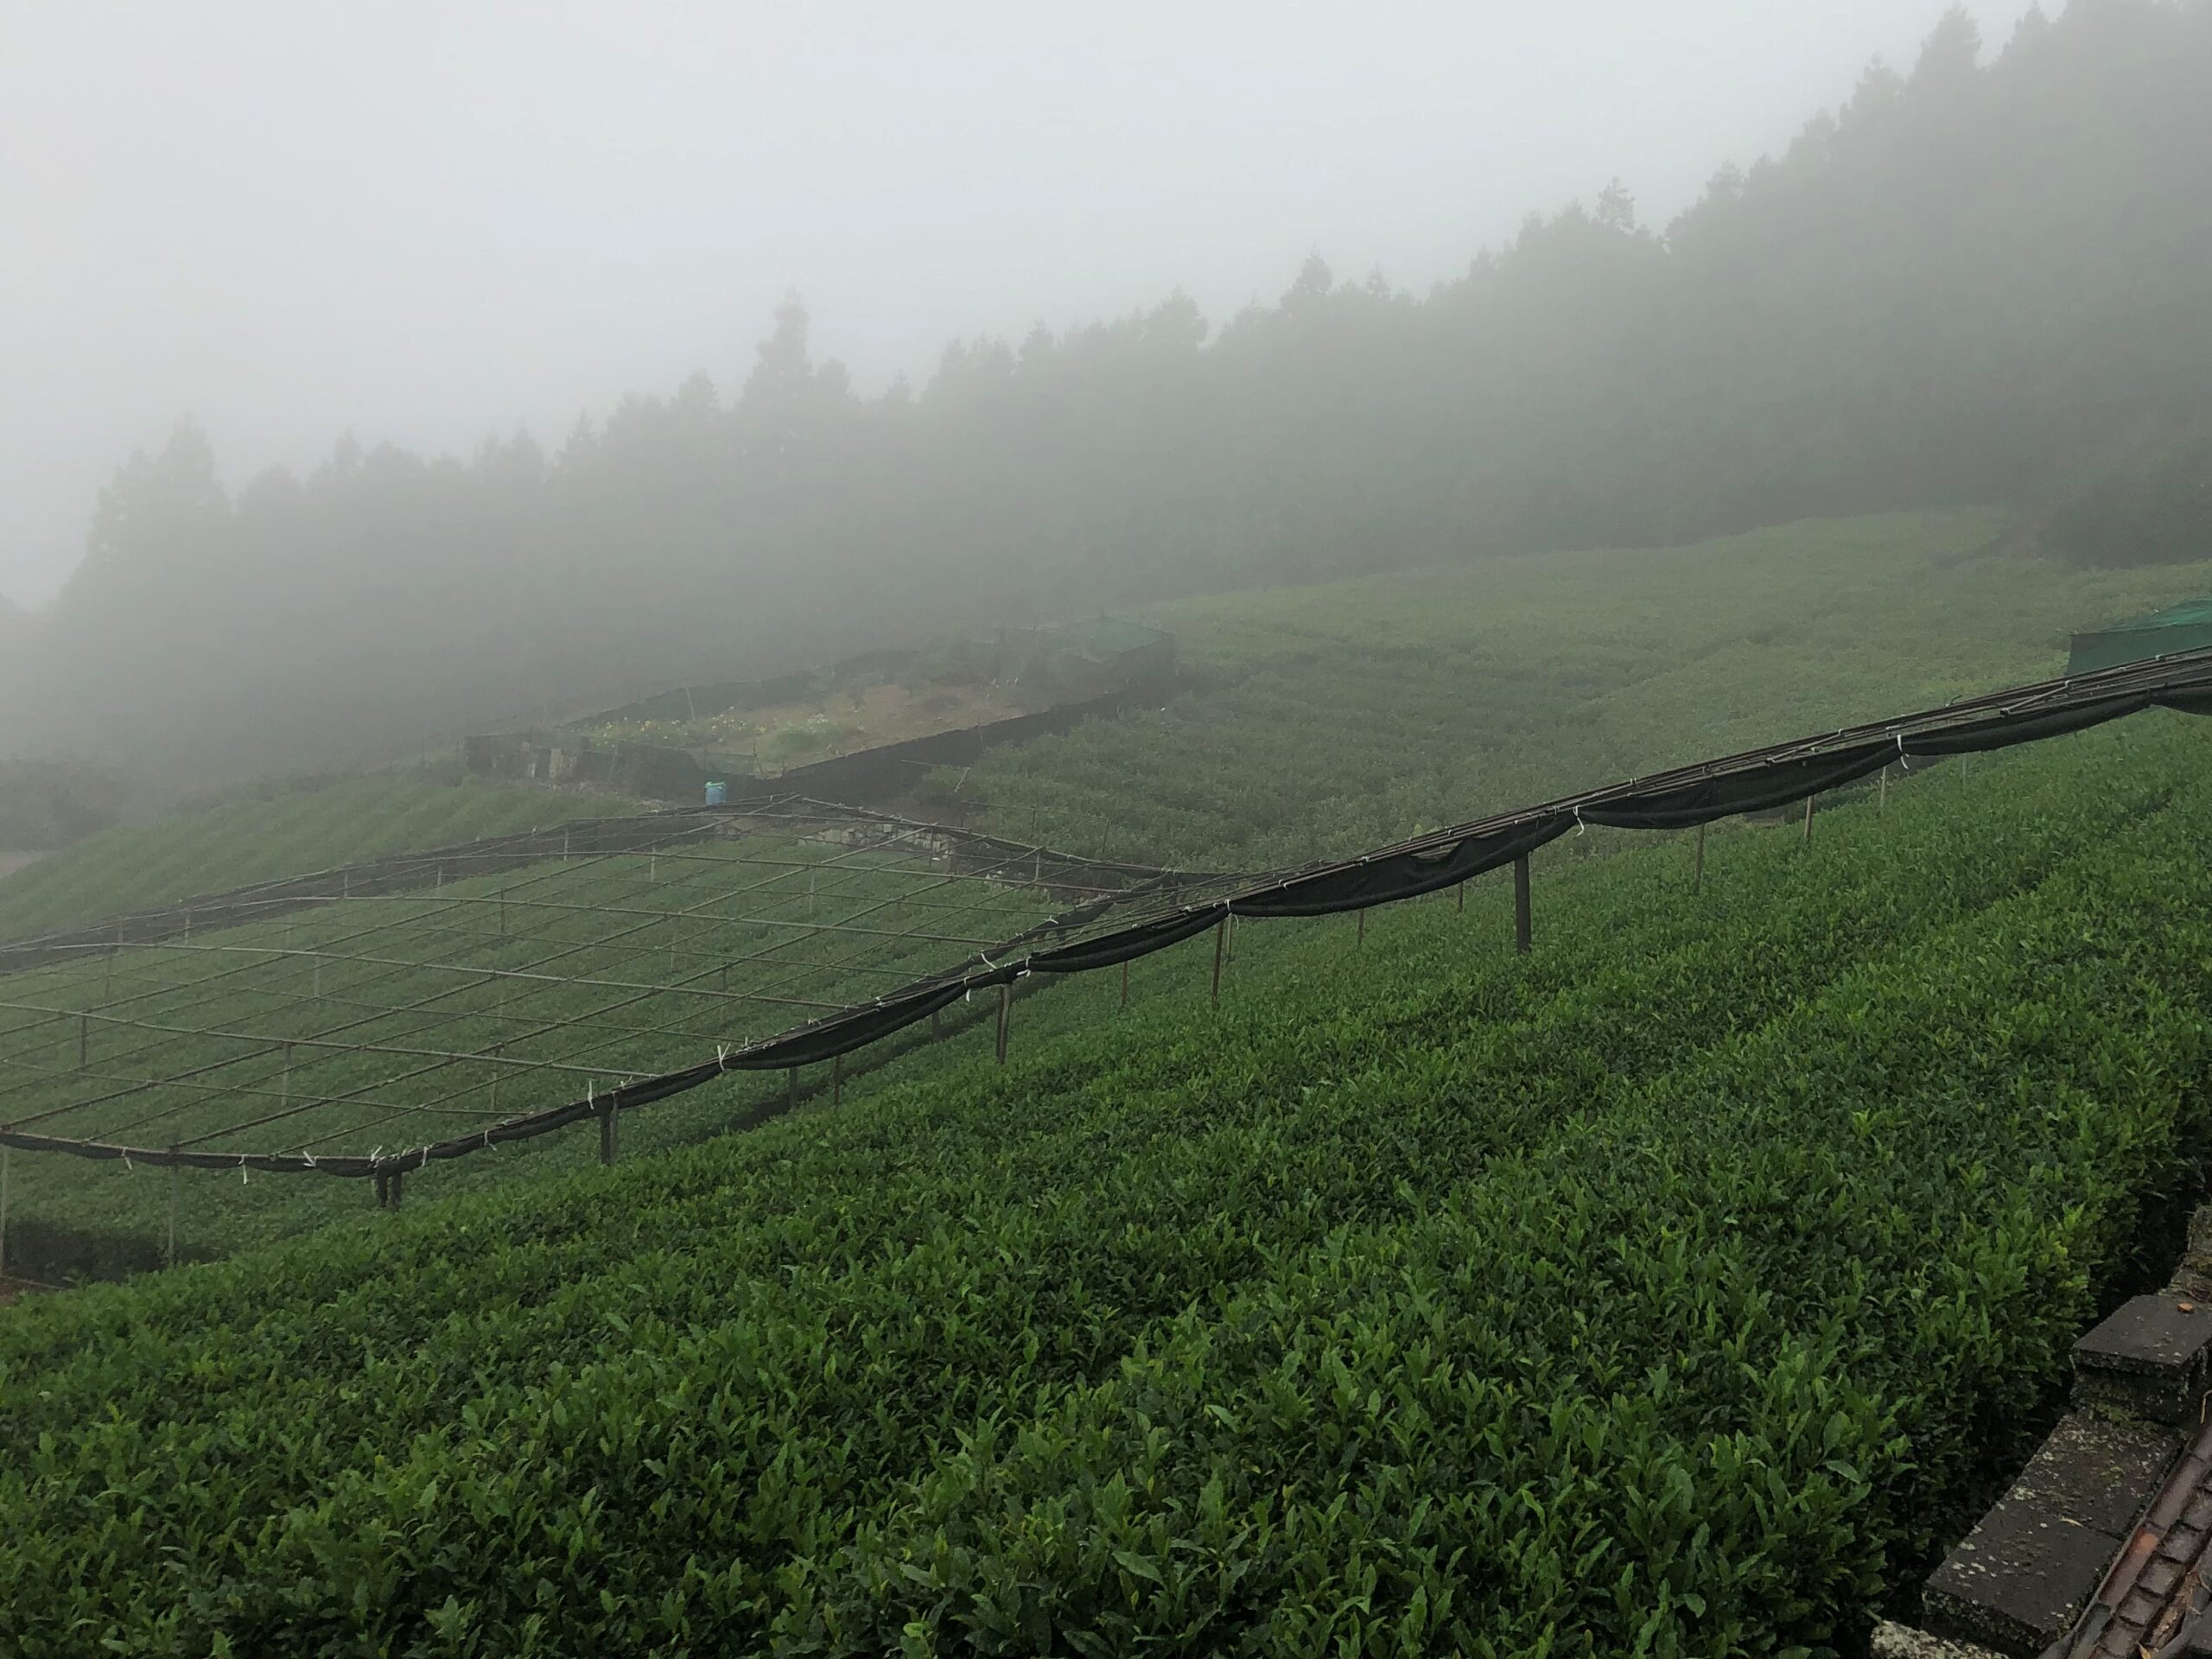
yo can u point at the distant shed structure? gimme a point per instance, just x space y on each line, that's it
2186 627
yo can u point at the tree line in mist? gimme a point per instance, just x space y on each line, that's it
1975 281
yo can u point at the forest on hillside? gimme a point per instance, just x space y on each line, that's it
1985 277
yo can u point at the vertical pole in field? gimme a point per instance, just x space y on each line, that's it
392 1190
1125 984
1220 943
168 1251
1005 1009
837 1080
607 1131
935 1028
1461 891
284 1083
1697 873
1521 928
1360 937
107 971
791 1087
84 1035
1809 799
1882 795
3 1208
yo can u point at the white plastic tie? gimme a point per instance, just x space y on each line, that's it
1580 828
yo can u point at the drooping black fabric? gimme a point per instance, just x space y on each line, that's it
2002 731
2188 700
163 1158
1127 944
841 1033
1753 790
1390 876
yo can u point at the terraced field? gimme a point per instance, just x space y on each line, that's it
1333 718
1677 1287
259 835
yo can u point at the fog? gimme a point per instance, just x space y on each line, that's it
428 224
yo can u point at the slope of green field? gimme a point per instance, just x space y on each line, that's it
1339 716
1674 1289
259 836
1328 718
392 1021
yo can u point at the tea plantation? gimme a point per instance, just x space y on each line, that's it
1677 1288
264 833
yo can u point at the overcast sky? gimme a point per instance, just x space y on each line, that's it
429 220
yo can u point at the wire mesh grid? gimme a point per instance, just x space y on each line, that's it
359 1024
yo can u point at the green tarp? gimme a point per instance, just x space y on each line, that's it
2186 627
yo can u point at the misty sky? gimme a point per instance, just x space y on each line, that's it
427 222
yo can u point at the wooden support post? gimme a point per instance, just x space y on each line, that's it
1461 890
284 1084
383 1199
168 1251
1220 944
1882 795
1521 928
937 1027
1125 984
837 1080
3 1208
107 971
1809 799
392 1190
1005 1010
607 1131
791 1087
1697 872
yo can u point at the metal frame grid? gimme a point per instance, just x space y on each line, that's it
358 1024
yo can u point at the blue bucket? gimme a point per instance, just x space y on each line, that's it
717 792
